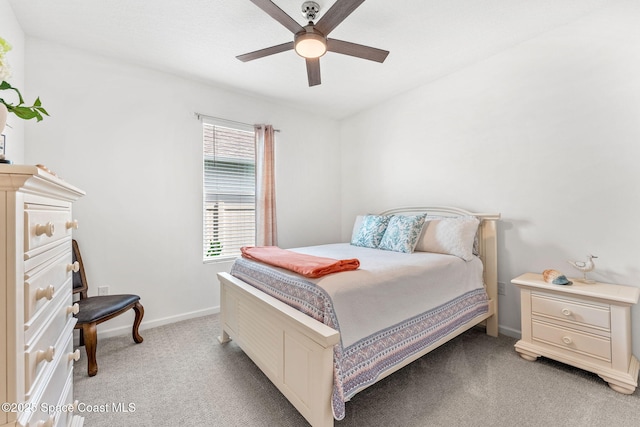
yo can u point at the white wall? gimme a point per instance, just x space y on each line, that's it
128 137
546 133
11 31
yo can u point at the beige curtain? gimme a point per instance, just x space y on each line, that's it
266 229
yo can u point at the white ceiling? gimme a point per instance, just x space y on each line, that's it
199 39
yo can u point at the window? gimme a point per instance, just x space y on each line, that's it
228 189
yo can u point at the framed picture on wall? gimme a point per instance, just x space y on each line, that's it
2 145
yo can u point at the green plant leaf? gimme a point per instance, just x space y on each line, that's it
25 113
6 86
42 110
22 111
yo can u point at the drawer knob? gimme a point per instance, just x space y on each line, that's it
75 356
47 423
73 309
566 312
75 267
567 340
45 355
47 229
45 293
72 225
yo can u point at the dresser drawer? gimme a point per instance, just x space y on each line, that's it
35 260
572 341
572 311
44 282
61 306
52 391
44 226
46 347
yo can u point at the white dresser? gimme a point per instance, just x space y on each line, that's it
36 321
584 325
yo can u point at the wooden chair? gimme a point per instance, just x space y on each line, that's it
97 309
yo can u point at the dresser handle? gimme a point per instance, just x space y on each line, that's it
75 267
47 229
73 309
566 312
567 340
72 225
45 293
48 423
45 355
75 356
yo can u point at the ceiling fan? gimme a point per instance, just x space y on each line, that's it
311 41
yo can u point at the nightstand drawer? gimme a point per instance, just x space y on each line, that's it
571 311
572 340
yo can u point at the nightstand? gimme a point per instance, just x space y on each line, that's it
584 325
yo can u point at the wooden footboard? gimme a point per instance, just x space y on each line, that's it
293 350
296 352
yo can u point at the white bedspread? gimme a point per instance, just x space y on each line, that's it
365 304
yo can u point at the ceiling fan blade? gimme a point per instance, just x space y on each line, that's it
357 50
265 52
278 14
336 14
313 71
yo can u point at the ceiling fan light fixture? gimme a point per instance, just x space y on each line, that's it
310 41
310 45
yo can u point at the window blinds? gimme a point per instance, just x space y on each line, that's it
229 189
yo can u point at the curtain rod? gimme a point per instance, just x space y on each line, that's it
199 115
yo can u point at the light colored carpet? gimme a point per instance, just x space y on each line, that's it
181 376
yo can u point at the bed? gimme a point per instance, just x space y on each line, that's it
289 325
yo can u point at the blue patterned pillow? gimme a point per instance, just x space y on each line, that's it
371 231
402 233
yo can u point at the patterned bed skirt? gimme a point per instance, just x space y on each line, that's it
360 364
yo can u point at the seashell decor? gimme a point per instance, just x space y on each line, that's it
555 277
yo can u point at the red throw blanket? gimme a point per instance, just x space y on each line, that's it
306 265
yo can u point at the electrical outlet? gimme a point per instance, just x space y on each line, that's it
501 288
103 290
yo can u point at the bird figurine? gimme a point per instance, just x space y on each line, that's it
585 267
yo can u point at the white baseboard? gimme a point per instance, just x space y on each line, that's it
126 330
510 332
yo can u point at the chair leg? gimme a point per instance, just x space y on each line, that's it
139 309
90 334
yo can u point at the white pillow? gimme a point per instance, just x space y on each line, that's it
453 236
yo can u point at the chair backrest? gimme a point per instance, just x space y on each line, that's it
80 284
